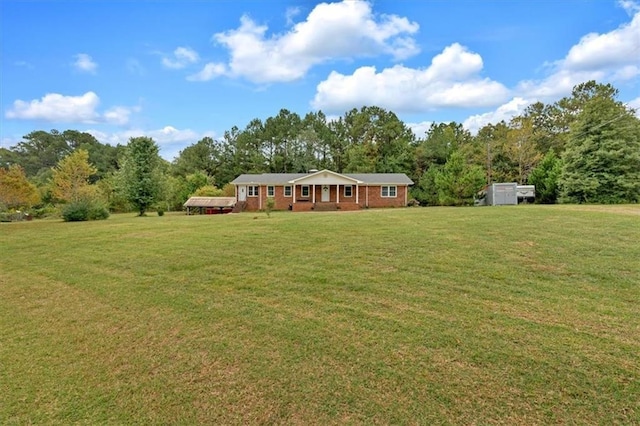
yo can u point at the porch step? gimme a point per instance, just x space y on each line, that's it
325 207
239 207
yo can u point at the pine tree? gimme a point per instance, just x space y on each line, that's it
602 160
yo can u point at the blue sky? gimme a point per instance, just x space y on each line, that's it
181 70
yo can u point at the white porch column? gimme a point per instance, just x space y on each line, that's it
357 191
338 194
294 193
313 196
259 197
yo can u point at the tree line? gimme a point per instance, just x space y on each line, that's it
584 148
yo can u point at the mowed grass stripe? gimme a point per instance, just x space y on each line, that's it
487 315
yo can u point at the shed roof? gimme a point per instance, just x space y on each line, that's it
210 202
286 178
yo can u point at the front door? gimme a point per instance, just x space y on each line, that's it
242 193
325 193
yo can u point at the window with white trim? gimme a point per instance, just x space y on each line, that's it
304 191
271 191
348 191
252 190
389 191
287 191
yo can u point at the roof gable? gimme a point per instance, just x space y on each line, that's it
325 177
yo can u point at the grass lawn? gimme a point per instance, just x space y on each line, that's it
494 315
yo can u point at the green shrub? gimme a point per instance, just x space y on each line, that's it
79 211
160 212
98 212
75 212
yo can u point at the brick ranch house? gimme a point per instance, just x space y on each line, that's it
321 190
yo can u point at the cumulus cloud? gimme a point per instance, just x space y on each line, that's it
57 108
331 31
420 129
210 71
84 63
182 57
506 112
119 115
170 139
612 56
452 80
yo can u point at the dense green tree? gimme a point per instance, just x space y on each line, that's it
378 141
205 155
602 159
281 141
458 182
426 189
40 151
140 175
545 178
440 141
104 157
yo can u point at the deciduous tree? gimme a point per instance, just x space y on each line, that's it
16 192
545 178
140 174
71 177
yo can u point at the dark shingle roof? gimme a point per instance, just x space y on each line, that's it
284 178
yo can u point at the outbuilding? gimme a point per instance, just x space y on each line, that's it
210 205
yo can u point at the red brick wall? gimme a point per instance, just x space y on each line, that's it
376 199
348 203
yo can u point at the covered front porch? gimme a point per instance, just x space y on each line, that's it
325 191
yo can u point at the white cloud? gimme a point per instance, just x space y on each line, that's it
629 6
182 57
57 108
119 115
84 63
331 31
619 47
506 112
420 129
210 71
291 13
635 104
612 56
452 80
170 139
